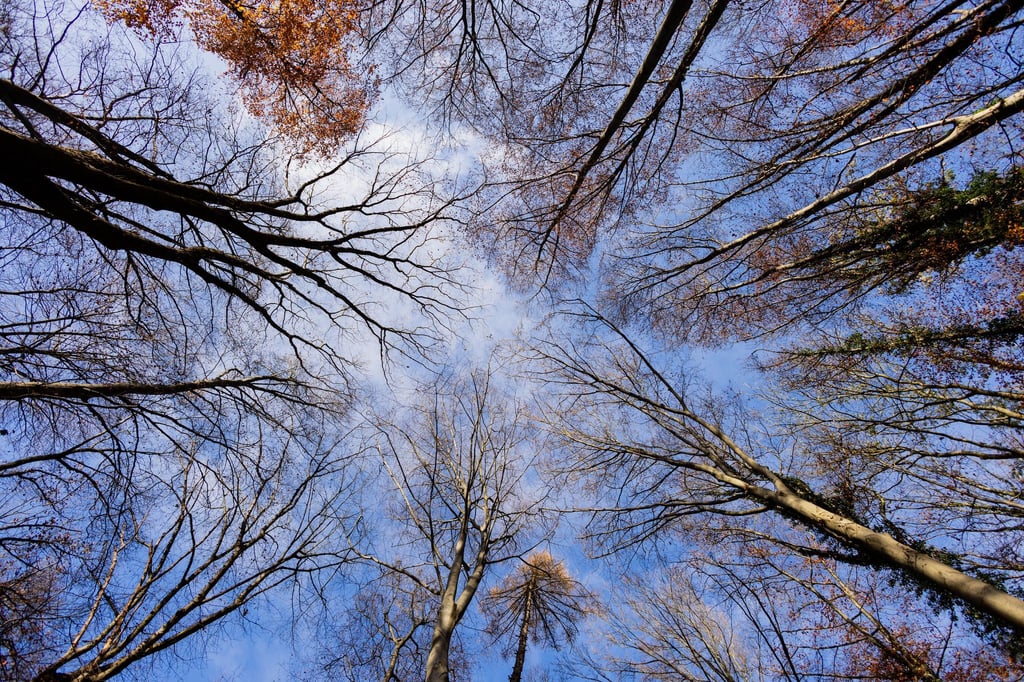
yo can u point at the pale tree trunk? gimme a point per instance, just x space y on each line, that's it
453 602
890 551
880 546
447 617
440 643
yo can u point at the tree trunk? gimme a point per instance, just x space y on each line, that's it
454 603
437 658
1002 606
524 632
447 619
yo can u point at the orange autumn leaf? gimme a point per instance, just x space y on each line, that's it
290 57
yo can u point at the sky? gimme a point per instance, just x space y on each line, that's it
500 324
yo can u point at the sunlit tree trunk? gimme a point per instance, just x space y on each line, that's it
454 603
887 550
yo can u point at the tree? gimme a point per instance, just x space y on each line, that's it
854 623
182 550
757 126
762 613
710 277
538 602
381 636
665 630
457 471
890 248
917 397
669 462
292 58
27 600
175 195
500 70
173 361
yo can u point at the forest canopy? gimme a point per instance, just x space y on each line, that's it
575 340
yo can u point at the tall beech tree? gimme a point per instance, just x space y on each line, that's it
457 468
671 457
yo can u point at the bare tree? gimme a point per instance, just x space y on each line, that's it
183 193
174 371
761 613
540 81
760 129
457 466
187 548
383 630
670 462
662 628
814 164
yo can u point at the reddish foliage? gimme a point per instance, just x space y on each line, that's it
833 23
290 56
980 665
